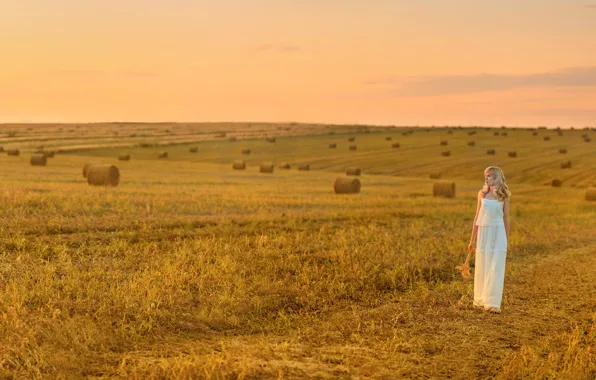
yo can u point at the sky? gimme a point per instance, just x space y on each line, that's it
382 62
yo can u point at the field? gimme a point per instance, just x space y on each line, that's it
189 269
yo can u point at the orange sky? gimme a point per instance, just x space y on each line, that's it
370 62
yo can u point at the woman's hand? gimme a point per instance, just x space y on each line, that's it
471 247
485 189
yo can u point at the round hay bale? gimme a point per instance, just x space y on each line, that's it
1 149
444 189
444 143
39 160
512 154
271 139
332 146
446 153
86 167
557 183
491 152
346 185
563 151
504 134
266 167
471 133
546 138
449 132
304 168
239 165
284 165
13 152
353 171
193 149
471 143
49 153
591 194
388 138
145 145
435 175
395 145
496 133
587 139
566 165
351 139
534 133
124 157
353 147
233 138
221 134
162 155
103 175
246 151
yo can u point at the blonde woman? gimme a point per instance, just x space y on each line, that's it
490 234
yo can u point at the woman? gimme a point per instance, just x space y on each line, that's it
490 235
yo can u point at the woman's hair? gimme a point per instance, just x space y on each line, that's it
501 189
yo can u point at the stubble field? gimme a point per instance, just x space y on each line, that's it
190 269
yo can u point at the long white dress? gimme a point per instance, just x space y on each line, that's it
491 253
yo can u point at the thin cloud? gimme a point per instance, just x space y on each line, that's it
590 6
277 48
459 84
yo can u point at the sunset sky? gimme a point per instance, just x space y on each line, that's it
388 62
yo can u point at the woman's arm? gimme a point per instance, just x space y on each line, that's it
474 226
506 217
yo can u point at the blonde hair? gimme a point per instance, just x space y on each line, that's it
501 189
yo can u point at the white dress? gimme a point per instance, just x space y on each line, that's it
491 252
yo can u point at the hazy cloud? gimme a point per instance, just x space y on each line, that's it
457 84
590 6
278 48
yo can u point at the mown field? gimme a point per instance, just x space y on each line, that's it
189 269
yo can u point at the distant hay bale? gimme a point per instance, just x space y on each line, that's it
124 157
86 167
351 139
395 145
271 139
220 134
557 183
546 138
233 138
471 143
534 133
266 167
1 149
13 152
353 171
193 149
49 153
512 154
162 155
446 153
491 152
304 168
566 165
103 175
353 147
496 133
332 146
444 189
239 165
145 145
39 160
591 194
346 185
388 138
471 133
246 151
435 175
587 139
504 134
444 143
560 133
563 151
284 165
449 132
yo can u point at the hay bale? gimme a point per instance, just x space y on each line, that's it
353 147
13 152
86 167
491 152
246 151
353 171
284 165
193 149
447 153
557 183
124 157
351 139
444 143
566 165
471 143
332 146
220 134
145 145
563 151
449 132
271 139
591 194
504 134
233 138
512 154
1 149
266 167
546 138
395 145
49 153
103 175
162 155
534 133
239 165
388 138
496 133
435 175
345 185
587 139
304 168
39 160
444 189
471 133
